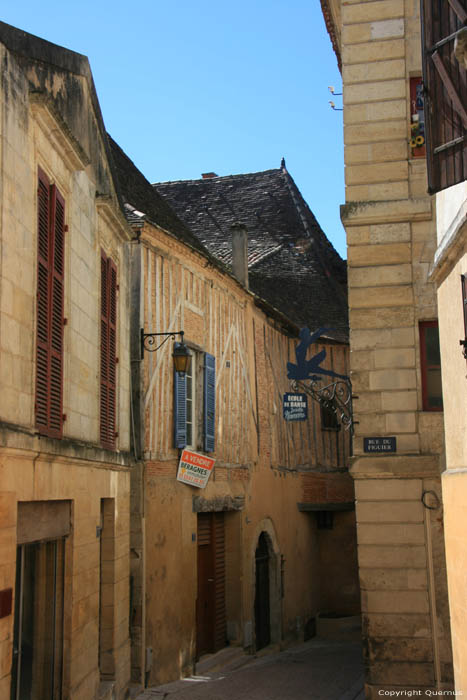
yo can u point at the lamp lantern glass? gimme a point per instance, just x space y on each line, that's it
182 358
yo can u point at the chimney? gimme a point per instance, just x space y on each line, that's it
240 252
208 176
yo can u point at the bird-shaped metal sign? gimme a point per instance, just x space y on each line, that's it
310 369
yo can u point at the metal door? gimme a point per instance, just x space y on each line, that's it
262 614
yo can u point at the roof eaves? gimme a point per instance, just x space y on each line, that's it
329 21
35 48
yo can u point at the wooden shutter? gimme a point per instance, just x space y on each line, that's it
179 410
108 351
56 329
446 89
209 401
50 297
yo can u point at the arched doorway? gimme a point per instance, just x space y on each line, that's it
262 597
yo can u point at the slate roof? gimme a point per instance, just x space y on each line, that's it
292 265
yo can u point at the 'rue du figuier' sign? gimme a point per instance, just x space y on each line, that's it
295 406
194 469
379 444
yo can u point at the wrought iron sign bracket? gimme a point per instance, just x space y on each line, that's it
336 396
307 374
148 340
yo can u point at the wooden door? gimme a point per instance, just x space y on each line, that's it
210 607
262 614
38 632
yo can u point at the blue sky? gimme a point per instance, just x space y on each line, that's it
189 87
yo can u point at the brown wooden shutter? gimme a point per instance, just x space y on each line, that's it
56 313
50 297
108 351
445 93
42 330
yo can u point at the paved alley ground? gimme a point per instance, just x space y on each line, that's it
317 669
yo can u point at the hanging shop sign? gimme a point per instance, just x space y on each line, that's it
295 406
194 469
379 444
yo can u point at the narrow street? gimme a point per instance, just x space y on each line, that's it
317 669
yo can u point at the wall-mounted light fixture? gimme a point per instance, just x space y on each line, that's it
333 92
181 353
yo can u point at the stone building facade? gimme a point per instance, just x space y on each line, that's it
252 558
64 409
391 236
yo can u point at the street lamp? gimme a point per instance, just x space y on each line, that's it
181 354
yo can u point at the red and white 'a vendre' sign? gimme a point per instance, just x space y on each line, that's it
194 469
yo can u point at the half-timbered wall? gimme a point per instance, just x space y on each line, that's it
218 318
176 297
303 444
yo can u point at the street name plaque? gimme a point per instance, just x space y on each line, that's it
379 444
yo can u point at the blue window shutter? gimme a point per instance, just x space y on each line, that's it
209 402
179 410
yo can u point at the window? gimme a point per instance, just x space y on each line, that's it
417 118
325 519
108 386
50 291
430 366
190 416
329 420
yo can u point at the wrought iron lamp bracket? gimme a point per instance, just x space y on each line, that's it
148 340
336 396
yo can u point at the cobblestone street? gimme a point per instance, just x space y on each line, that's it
317 669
